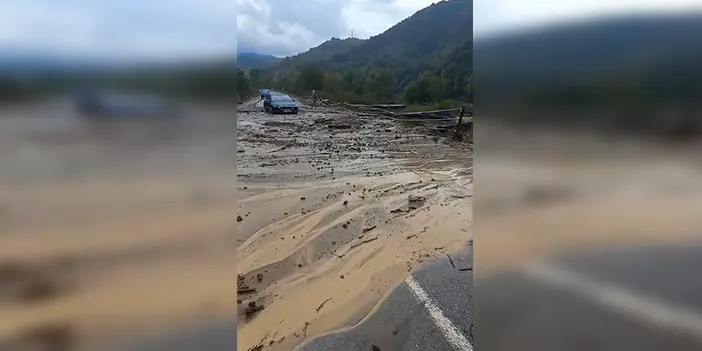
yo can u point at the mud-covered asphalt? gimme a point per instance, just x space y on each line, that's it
328 143
624 298
336 208
402 322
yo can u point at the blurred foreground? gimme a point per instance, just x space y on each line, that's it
590 186
586 242
546 192
113 229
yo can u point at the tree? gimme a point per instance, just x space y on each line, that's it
311 78
418 91
242 84
350 79
283 82
383 84
437 88
332 82
256 77
428 88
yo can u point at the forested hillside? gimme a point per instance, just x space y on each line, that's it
426 59
630 73
249 61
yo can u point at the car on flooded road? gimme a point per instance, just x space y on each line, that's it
100 105
279 103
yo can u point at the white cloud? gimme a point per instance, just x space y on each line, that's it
284 27
371 17
120 30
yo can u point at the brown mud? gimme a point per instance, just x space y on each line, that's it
336 208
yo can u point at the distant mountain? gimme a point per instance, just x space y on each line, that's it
14 62
586 52
23 63
319 55
432 39
249 61
631 73
420 42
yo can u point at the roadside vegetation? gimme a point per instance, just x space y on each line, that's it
640 75
221 82
16 88
424 62
371 85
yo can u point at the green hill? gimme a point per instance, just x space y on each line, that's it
631 73
432 48
319 55
249 61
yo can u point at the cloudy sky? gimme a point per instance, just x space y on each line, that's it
175 29
283 27
119 29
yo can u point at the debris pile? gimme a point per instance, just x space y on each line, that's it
242 287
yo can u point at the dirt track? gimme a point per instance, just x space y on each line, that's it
335 210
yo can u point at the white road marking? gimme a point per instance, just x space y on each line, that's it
648 309
452 334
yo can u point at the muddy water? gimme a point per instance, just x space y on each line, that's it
327 216
128 225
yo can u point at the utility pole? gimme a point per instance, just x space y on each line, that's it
456 132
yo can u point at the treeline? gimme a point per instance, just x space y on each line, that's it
15 87
243 88
660 100
205 82
369 85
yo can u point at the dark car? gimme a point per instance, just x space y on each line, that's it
278 103
124 105
265 93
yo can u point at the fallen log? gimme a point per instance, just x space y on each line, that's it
389 106
245 290
429 112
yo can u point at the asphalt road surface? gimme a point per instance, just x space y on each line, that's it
634 298
218 335
431 310
624 299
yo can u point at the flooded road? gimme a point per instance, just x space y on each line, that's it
336 209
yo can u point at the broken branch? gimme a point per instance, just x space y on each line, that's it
322 305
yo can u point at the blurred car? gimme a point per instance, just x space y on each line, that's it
124 105
278 103
265 93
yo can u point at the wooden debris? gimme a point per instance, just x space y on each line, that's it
322 305
451 260
364 242
304 330
252 309
245 290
